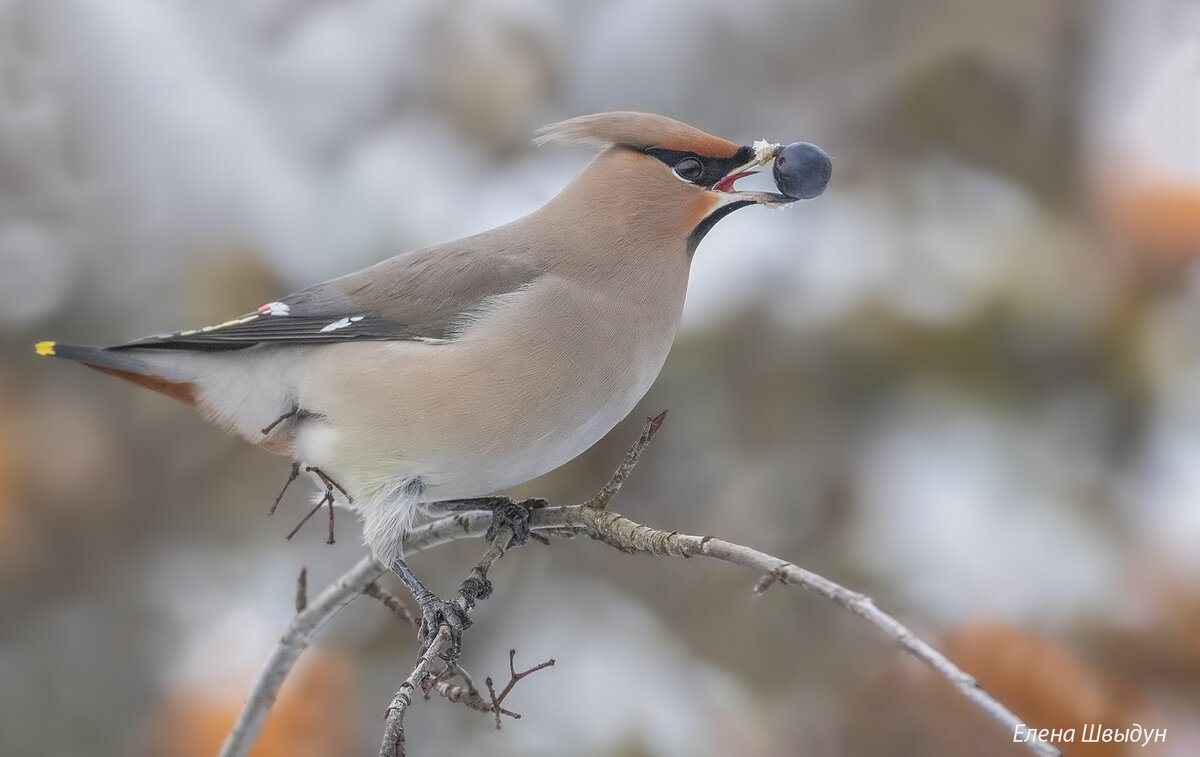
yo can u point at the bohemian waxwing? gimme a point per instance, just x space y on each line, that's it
454 371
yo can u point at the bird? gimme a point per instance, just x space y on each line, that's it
435 378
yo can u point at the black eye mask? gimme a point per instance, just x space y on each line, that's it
715 169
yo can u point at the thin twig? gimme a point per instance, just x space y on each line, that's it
514 679
271 426
304 520
431 682
466 694
610 490
279 497
619 532
392 602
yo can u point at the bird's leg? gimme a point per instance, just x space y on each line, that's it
435 610
513 513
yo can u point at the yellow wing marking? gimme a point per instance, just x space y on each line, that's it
206 329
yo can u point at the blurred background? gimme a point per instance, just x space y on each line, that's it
964 380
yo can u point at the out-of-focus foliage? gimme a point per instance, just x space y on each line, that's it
963 380
1037 679
313 717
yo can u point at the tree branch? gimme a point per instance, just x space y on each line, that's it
393 731
295 639
595 520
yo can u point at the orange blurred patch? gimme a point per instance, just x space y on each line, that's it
1157 216
9 475
1043 684
313 717
1046 685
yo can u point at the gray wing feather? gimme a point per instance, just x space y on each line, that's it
419 296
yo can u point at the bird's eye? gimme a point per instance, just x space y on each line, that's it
689 169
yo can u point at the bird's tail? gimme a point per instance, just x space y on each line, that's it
124 364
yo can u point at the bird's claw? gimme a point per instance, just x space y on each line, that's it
436 611
515 515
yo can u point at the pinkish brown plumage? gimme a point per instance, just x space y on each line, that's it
453 371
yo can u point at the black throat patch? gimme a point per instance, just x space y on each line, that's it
705 226
715 169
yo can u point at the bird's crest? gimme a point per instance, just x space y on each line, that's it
640 131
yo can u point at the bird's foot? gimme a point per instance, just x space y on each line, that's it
512 513
434 612
515 514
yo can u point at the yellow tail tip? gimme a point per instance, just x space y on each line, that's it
44 348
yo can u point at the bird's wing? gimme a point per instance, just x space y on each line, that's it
424 295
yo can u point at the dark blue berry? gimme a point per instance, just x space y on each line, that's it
802 170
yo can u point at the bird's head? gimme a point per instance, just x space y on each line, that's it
663 172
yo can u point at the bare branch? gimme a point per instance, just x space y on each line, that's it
294 641
610 490
393 731
337 595
594 520
629 536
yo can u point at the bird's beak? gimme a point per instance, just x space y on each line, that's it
764 153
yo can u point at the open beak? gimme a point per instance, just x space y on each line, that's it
764 153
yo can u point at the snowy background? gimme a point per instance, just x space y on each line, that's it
966 379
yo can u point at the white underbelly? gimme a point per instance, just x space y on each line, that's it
480 472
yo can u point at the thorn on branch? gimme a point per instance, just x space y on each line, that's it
654 424
767 581
302 591
515 677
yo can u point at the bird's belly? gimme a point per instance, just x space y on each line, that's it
514 447
472 427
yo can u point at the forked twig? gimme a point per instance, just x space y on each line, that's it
514 679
